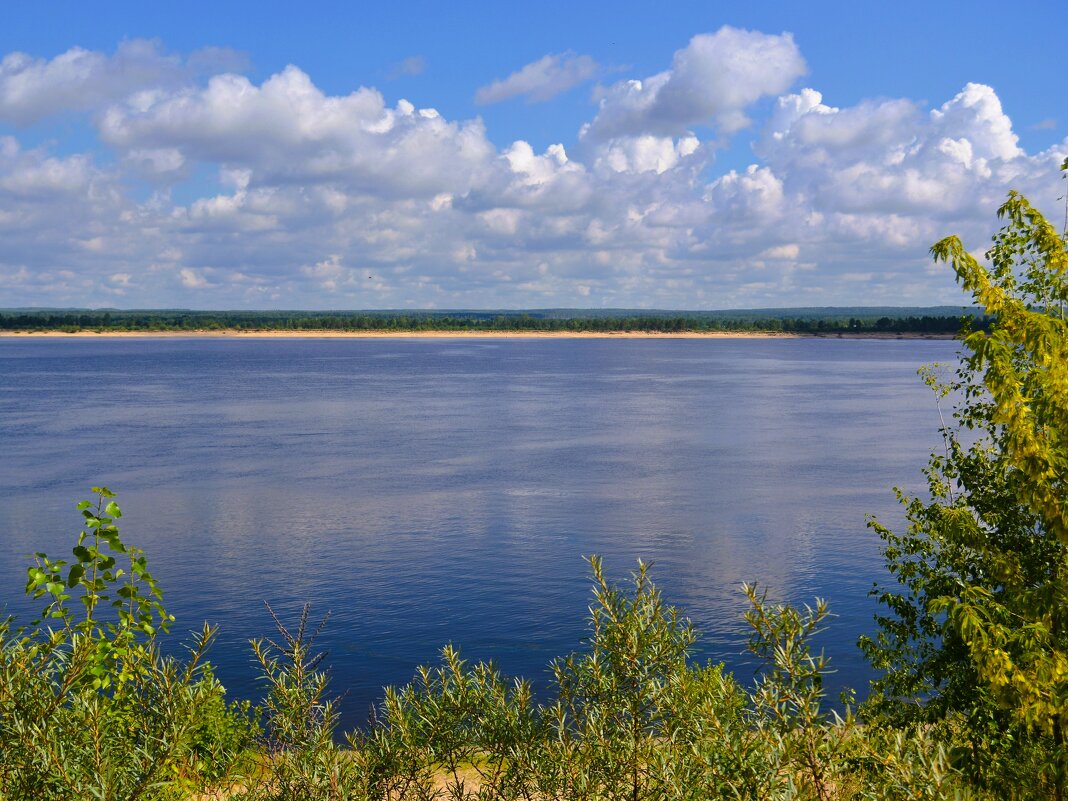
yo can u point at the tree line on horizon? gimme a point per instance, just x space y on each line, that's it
192 321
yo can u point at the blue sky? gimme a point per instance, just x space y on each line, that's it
684 155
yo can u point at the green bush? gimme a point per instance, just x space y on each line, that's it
89 707
297 757
457 729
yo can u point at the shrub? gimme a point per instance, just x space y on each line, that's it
299 758
89 707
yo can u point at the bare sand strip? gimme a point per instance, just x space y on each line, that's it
329 334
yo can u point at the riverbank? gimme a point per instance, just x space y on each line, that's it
488 334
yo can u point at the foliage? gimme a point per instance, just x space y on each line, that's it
299 758
609 715
789 697
134 597
1017 634
89 707
911 765
457 730
976 634
629 716
880 321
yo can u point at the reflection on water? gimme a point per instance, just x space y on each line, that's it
433 491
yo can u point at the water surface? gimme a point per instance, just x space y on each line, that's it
433 491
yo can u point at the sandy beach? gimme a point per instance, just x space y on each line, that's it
326 334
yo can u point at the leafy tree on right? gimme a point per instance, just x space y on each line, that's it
974 638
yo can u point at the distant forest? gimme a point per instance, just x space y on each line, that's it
884 320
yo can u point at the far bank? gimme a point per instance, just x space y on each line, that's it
468 334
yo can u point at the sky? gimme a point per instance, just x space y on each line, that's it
463 155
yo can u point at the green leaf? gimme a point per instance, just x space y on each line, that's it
75 575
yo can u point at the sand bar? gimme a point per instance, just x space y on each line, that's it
331 334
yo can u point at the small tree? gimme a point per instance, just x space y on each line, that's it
789 696
89 707
301 758
978 623
610 710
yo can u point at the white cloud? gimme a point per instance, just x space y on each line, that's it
888 157
286 130
327 272
976 114
788 252
541 80
756 197
162 163
350 200
193 279
713 80
65 226
79 80
872 186
645 153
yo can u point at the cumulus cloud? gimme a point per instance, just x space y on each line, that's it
342 200
165 164
287 130
192 279
65 225
873 185
645 153
755 197
541 80
78 79
888 157
713 80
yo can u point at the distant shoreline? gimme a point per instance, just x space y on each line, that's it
445 334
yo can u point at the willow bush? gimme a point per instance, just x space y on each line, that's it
297 756
89 707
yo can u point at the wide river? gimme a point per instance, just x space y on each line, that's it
447 490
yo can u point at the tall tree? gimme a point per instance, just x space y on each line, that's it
977 623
